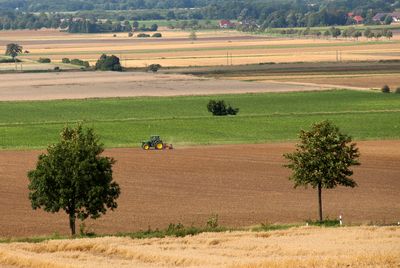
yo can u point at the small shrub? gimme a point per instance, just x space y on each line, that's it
44 60
385 89
9 60
154 67
65 60
84 232
324 223
158 35
219 108
114 35
80 63
212 222
143 35
397 91
130 34
56 69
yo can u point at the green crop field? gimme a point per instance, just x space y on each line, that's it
186 121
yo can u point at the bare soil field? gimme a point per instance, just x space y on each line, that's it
297 247
210 49
80 85
244 184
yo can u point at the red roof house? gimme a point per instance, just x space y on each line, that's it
226 24
358 19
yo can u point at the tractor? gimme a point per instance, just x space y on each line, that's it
156 143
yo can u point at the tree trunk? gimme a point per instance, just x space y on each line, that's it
72 222
320 201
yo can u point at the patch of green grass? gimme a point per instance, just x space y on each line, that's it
266 227
324 223
262 118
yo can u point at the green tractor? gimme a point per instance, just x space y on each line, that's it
156 143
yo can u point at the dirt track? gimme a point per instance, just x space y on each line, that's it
244 184
80 85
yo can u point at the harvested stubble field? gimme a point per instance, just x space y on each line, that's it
244 184
81 85
375 80
211 48
297 247
355 75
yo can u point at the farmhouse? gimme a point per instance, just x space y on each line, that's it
396 16
356 19
226 24
381 16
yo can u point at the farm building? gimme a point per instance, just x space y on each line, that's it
381 16
357 19
226 24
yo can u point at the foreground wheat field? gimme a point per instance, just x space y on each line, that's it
296 247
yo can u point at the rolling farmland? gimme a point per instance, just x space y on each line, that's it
231 166
211 48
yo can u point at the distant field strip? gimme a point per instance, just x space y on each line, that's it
192 117
216 48
185 120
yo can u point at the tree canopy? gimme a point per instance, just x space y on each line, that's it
74 177
13 50
108 63
323 159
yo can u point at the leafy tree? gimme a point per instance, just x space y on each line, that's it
219 108
108 63
154 28
385 89
388 20
13 50
323 159
335 32
193 35
154 67
74 177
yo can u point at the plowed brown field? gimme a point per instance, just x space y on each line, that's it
244 184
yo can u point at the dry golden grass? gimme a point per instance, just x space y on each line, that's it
297 247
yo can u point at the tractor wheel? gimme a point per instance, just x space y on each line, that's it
159 146
146 147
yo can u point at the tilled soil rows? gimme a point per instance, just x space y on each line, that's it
244 184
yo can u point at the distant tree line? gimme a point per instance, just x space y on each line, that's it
12 20
334 32
208 8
